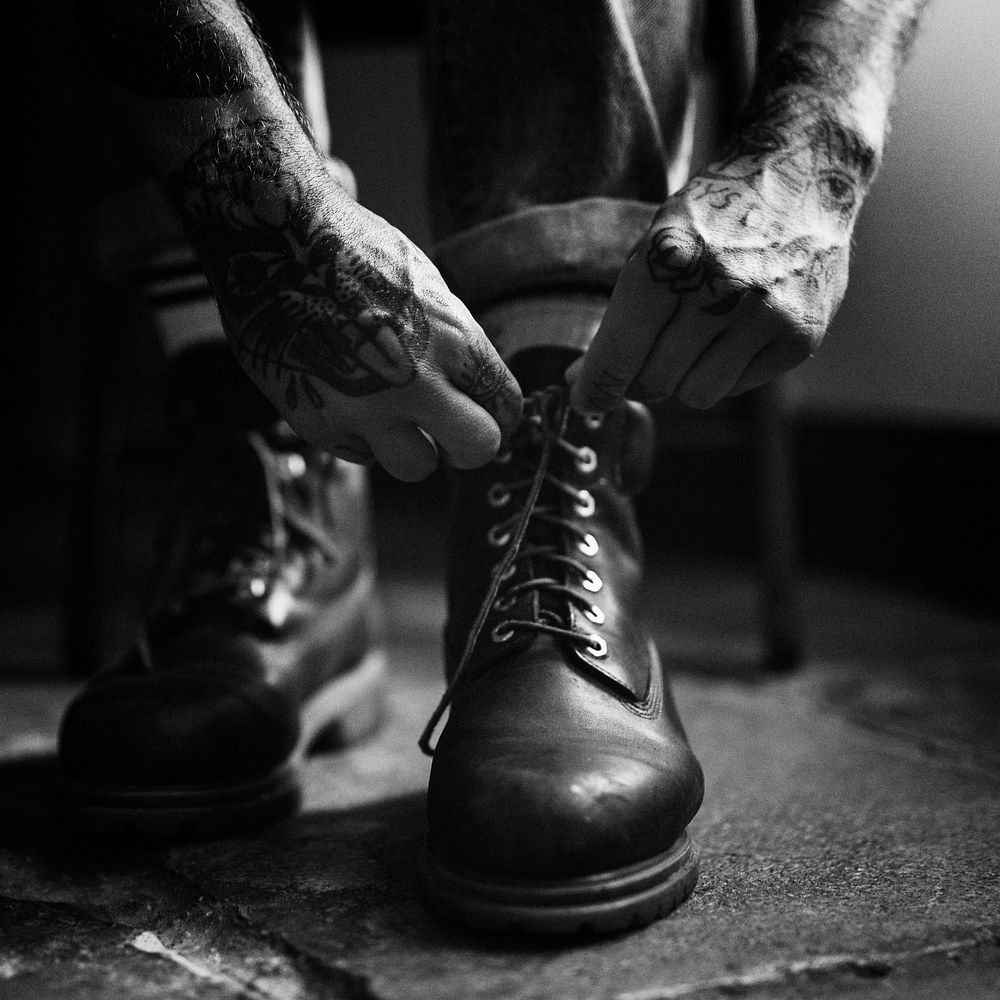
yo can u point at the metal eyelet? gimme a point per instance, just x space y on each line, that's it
499 634
588 546
597 647
507 573
497 495
594 614
586 460
257 587
498 539
295 465
504 603
585 505
503 457
592 582
593 421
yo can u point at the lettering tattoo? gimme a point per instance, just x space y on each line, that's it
792 146
796 137
300 306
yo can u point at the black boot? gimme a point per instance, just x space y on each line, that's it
562 782
264 639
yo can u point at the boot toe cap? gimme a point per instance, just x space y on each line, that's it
175 728
551 813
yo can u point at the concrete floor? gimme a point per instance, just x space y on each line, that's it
850 837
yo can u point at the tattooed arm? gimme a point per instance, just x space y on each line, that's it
341 321
743 269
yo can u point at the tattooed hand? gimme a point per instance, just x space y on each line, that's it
342 322
741 271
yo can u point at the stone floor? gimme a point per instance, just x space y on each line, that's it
850 836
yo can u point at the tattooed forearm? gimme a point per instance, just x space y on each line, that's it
301 307
815 123
799 141
869 33
850 51
180 49
185 50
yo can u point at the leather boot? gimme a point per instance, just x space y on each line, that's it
562 782
264 641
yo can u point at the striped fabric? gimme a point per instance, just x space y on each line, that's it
181 300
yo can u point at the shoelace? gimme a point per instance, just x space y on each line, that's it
250 571
547 414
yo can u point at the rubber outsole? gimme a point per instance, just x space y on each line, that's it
348 708
594 905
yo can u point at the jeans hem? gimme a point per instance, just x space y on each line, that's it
572 245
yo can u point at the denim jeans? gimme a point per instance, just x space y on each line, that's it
557 128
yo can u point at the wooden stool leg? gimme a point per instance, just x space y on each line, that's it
777 526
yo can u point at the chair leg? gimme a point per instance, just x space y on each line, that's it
777 527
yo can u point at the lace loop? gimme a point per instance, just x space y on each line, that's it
250 570
545 423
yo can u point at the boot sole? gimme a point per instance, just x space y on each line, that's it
346 709
602 904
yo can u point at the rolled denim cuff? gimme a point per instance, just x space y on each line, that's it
576 245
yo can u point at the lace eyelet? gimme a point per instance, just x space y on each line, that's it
588 546
504 457
504 603
498 495
593 421
257 587
507 573
594 614
295 465
498 539
586 460
592 582
585 505
499 634
597 646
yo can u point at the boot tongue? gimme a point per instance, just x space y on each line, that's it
539 367
637 447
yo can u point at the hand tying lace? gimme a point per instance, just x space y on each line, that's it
535 539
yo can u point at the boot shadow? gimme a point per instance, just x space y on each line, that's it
349 875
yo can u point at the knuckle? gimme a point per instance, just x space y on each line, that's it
801 340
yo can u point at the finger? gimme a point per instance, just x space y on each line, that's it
771 361
715 372
476 369
637 312
700 335
466 433
404 451
672 357
352 448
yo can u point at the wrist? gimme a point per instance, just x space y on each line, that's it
802 131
